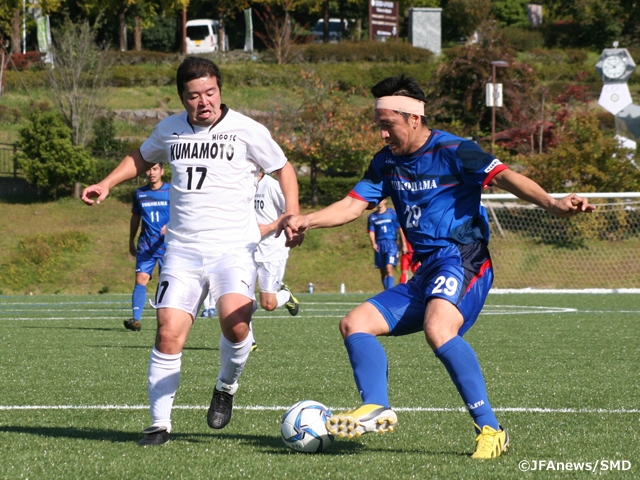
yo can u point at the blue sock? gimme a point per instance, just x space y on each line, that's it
388 282
370 370
138 299
464 369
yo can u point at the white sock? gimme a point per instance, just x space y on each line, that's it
282 297
164 378
233 357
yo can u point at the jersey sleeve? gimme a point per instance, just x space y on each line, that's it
153 149
370 188
264 150
478 165
370 225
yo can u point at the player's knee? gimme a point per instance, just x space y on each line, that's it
268 304
236 333
438 333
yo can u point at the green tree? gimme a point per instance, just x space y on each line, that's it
47 157
460 18
590 22
326 135
585 159
510 12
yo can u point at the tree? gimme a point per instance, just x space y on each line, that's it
326 135
77 78
47 157
510 12
462 17
590 22
109 9
459 86
586 159
10 13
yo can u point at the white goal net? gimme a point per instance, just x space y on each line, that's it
533 249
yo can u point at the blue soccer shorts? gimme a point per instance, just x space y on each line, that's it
146 264
387 254
461 274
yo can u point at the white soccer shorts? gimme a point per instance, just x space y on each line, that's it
188 276
270 275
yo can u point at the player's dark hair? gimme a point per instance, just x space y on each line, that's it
196 67
400 85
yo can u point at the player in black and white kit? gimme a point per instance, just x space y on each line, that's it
215 155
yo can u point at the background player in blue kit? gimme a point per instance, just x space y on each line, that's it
151 210
435 180
383 228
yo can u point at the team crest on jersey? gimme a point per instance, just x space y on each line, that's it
414 186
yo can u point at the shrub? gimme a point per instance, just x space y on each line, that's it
390 52
48 158
25 61
523 39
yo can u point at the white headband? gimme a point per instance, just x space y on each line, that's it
400 103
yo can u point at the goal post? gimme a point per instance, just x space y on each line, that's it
532 249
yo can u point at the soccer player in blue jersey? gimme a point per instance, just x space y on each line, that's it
383 228
435 180
151 210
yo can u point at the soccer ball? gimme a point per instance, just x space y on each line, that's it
303 427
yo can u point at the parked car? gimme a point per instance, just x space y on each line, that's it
337 30
202 36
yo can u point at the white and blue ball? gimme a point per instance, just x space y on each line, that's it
303 427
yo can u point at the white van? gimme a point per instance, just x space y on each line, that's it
202 36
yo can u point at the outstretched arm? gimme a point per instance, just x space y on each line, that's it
130 167
336 214
526 189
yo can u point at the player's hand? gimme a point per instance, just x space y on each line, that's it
375 247
294 227
98 191
572 205
132 250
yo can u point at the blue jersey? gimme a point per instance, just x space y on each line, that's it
153 207
436 190
384 225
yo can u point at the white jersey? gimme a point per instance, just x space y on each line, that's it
269 204
214 177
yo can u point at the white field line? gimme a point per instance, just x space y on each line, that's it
305 313
284 408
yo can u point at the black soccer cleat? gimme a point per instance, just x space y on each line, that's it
221 408
154 436
132 324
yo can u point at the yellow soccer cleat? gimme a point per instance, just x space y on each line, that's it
367 418
292 304
490 443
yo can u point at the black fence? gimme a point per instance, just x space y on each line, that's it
8 164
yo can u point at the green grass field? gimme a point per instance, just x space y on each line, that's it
562 373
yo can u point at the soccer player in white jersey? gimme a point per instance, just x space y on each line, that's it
215 155
272 253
